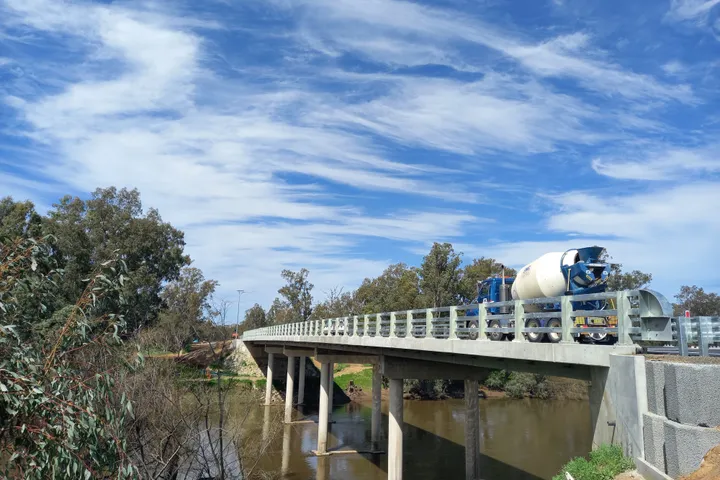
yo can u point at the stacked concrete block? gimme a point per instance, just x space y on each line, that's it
691 394
654 439
685 447
680 427
655 373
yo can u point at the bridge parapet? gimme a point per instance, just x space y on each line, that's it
641 315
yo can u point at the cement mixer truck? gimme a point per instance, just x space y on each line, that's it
573 272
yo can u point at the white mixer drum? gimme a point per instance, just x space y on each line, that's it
543 277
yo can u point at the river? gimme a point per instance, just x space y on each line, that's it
520 440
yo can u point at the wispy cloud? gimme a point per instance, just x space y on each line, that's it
342 135
670 163
681 10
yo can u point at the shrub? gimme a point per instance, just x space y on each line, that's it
497 380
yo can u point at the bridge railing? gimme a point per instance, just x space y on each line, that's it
470 322
700 331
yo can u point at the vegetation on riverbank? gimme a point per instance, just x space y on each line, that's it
521 385
605 463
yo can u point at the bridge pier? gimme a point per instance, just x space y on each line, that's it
472 431
323 410
395 430
289 389
376 407
331 389
269 378
301 382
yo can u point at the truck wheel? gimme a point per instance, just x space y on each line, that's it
554 337
534 337
473 335
495 336
603 339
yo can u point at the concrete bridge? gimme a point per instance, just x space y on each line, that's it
451 343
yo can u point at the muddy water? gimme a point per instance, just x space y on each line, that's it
520 439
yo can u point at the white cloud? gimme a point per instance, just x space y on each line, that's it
681 10
669 232
414 30
671 163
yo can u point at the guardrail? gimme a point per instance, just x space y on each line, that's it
457 322
700 331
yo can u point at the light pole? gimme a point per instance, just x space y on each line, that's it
237 322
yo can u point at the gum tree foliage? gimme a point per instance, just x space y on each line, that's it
619 280
60 416
255 318
698 301
19 219
440 276
397 288
337 304
280 312
479 269
88 231
297 292
188 308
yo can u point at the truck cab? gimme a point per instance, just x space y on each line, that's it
494 289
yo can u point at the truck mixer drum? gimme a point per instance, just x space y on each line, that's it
560 273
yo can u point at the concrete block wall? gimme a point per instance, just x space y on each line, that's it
679 427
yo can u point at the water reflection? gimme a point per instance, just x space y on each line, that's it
519 440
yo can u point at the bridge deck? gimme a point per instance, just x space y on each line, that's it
565 353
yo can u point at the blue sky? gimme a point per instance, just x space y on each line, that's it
344 135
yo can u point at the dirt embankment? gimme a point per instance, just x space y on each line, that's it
709 468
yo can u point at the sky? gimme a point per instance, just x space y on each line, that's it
345 135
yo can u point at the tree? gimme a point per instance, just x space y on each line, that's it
699 302
619 280
19 220
188 308
440 276
280 312
480 269
59 412
255 318
298 293
337 304
397 288
112 222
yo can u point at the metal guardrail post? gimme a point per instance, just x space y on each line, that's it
366 325
682 324
482 321
704 335
453 323
378 324
623 318
355 326
519 321
566 320
428 323
409 323
393 325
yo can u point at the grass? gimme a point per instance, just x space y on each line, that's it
340 366
362 379
604 464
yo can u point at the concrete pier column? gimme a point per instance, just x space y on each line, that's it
376 407
269 378
289 389
472 431
395 430
331 389
285 466
301 382
323 411
266 426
